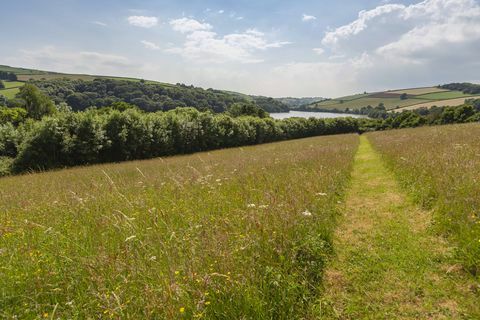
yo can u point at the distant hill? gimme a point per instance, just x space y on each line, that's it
81 91
398 100
295 103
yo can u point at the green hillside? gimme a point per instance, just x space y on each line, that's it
412 98
177 95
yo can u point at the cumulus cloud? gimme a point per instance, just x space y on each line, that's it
426 43
202 44
150 45
307 17
186 25
143 21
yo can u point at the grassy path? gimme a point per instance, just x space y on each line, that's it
389 263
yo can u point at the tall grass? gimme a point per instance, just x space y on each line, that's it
231 234
441 168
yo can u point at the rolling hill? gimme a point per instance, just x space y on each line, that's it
398 100
178 95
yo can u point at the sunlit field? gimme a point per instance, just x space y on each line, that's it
238 233
440 166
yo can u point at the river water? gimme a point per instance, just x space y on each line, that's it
321 115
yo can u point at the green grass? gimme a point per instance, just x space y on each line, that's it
9 93
389 262
439 167
12 84
444 95
232 234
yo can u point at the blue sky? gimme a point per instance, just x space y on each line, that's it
277 48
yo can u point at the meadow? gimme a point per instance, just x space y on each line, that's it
439 166
237 233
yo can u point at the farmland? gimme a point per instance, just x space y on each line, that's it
415 98
227 234
11 88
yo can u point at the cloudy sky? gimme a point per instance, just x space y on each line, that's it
278 48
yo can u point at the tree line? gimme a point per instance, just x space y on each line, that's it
37 134
10 76
147 96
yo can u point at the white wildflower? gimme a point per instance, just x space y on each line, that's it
251 205
322 194
306 213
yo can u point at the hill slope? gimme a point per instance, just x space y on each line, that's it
405 99
82 91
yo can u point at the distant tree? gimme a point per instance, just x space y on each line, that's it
404 96
2 85
36 103
246 109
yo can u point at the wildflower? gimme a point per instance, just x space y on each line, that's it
177 272
251 205
306 213
207 303
45 314
182 310
263 206
322 194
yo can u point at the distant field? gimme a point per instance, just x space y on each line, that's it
419 91
12 88
364 102
416 98
444 95
9 93
441 103
241 233
12 84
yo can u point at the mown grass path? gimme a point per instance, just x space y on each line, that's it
389 263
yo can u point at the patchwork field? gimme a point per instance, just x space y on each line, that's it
238 233
392 100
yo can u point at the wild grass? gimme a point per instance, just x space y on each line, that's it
440 168
234 234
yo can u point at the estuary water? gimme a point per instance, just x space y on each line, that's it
304 114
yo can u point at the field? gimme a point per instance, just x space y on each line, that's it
238 233
11 88
439 166
390 103
418 91
444 95
416 98
449 103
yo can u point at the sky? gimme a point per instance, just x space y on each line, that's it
326 48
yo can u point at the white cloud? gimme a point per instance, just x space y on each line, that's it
221 11
307 17
319 51
186 25
150 45
143 21
99 23
201 44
